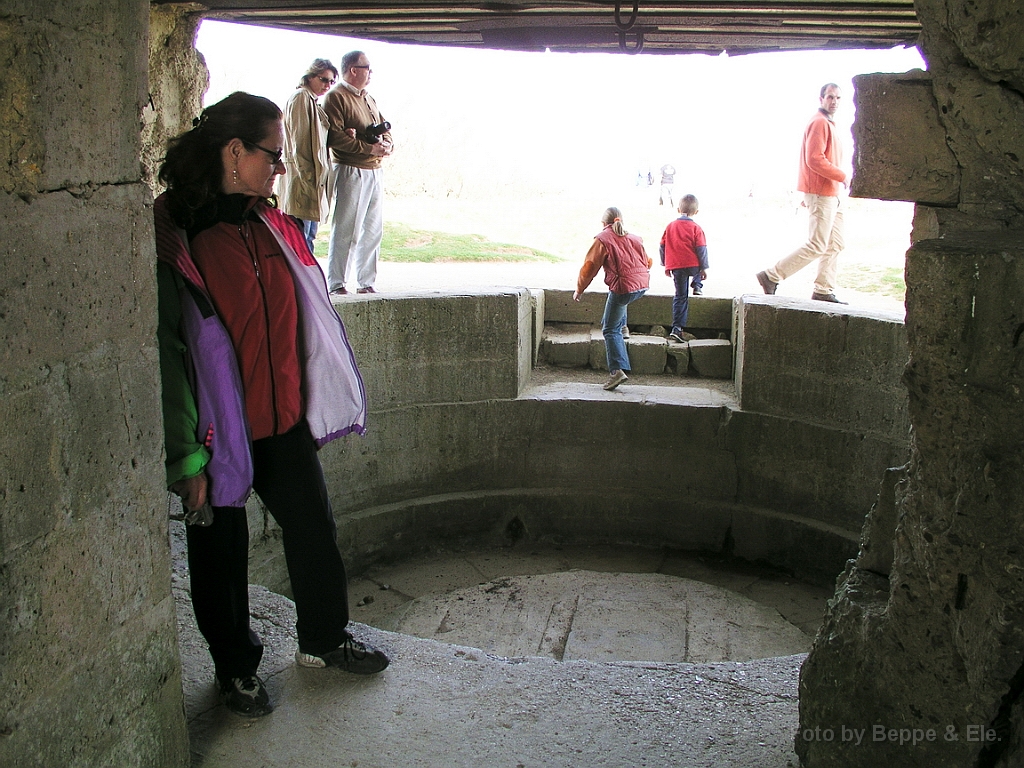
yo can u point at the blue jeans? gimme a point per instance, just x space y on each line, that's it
681 301
309 232
611 324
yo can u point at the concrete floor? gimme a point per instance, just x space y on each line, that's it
456 704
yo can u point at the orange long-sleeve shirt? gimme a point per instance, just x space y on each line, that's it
820 158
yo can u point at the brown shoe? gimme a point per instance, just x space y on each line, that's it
830 297
339 291
769 285
367 289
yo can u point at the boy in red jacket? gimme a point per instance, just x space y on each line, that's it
684 254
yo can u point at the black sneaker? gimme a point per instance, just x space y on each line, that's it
246 696
351 656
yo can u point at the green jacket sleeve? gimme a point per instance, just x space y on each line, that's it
185 455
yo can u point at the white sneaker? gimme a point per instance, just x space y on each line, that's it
616 378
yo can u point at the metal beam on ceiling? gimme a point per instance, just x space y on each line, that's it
698 26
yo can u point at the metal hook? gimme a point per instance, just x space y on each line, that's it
636 49
632 19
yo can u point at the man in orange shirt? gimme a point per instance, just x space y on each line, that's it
821 180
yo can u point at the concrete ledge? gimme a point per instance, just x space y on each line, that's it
705 312
437 347
647 464
815 552
831 365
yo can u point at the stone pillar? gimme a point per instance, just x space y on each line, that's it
178 78
89 668
920 661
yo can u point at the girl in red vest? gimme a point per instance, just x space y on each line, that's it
627 272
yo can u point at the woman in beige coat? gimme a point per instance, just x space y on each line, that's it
304 189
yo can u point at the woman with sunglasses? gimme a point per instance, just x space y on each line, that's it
257 376
306 190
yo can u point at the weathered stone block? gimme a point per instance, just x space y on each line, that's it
459 347
711 358
901 150
598 353
876 541
566 350
536 322
830 365
646 354
678 361
705 312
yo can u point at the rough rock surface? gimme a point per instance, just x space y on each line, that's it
924 658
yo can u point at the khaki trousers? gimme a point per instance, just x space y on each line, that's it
824 242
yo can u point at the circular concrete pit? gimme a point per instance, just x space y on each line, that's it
595 603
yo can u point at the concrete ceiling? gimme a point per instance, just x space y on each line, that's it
694 26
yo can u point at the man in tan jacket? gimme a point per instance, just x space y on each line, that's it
358 140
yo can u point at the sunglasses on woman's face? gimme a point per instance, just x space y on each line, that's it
275 157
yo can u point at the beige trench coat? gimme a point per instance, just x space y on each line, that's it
305 190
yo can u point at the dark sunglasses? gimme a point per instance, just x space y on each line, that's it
275 157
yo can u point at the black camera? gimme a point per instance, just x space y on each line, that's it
372 133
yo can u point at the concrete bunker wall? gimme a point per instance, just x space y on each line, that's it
459 448
89 667
88 639
924 632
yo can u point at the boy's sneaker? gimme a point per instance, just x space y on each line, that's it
246 696
351 656
681 336
616 378
698 291
625 331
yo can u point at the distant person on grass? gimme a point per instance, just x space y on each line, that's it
684 254
359 139
627 272
305 190
821 180
668 179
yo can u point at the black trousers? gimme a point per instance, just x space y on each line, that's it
289 480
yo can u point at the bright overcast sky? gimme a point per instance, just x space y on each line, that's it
581 118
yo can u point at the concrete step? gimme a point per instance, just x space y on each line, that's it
575 345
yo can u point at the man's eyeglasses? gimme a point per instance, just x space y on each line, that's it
275 157
363 66
325 80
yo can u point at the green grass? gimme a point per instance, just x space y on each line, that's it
404 244
885 281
